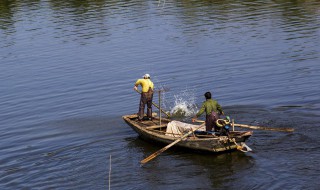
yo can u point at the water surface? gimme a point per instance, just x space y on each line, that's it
67 75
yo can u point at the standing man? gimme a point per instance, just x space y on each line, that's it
212 109
146 96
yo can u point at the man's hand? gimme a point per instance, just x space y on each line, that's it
194 119
135 88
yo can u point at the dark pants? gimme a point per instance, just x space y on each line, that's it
211 121
146 98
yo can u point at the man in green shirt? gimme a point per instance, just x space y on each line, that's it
146 96
213 111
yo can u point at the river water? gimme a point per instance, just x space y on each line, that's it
67 75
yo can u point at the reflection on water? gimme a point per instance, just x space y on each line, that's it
68 68
201 170
79 20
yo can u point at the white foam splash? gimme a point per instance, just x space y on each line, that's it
184 104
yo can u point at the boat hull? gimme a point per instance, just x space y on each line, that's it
152 131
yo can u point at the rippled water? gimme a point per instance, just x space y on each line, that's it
68 68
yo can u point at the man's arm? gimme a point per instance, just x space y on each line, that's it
219 108
202 109
136 85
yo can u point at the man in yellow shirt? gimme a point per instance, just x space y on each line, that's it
146 96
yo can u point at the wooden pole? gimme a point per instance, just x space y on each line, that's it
160 109
199 121
152 156
259 127
110 174
168 115
232 124
265 128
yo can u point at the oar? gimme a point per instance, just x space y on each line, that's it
157 106
259 127
152 156
265 128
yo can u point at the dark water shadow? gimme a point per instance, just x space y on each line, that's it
213 169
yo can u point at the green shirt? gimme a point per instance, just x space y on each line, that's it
208 106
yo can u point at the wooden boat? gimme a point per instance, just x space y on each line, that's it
156 132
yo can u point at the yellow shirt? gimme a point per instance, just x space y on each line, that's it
145 84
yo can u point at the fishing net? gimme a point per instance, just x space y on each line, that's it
178 128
